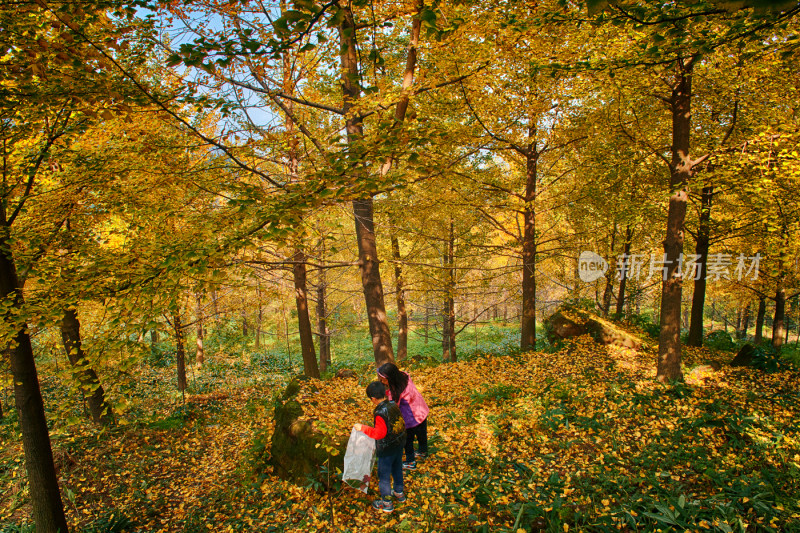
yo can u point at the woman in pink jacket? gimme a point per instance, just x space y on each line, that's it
402 391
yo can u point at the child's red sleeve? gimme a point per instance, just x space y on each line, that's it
378 432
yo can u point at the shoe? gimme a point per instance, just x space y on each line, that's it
409 465
421 455
383 505
399 496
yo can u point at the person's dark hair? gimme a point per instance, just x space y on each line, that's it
398 381
376 390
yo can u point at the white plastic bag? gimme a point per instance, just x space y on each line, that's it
358 460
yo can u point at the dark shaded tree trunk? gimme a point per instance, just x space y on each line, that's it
91 388
528 319
362 207
180 349
310 367
153 337
609 289
201 354
760 314
779 319
695 337
402 317
797 339
681 170
623 282
48 510
745 322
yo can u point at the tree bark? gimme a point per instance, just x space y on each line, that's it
91 388
623 282
449 309
762 311
402 317
681 169
322 321
310 367
48 510
322 314
528 325
259 317
215 305
739 315
180 350
201 354
362 207
778 321
609 289
745 322
695 337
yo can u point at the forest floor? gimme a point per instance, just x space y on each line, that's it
582 438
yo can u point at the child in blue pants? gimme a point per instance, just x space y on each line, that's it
390 436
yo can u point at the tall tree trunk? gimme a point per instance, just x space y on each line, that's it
402 317
201 354
48 510
797 339
681 169
745 322
286 328
762 311
180 349
259 317
695 337
153 337
310 367
322 313
626 267
778 320
449 309
322 321
215 305
609 289
91 388
362 207
739 315
528 325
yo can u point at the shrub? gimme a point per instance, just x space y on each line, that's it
720 340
